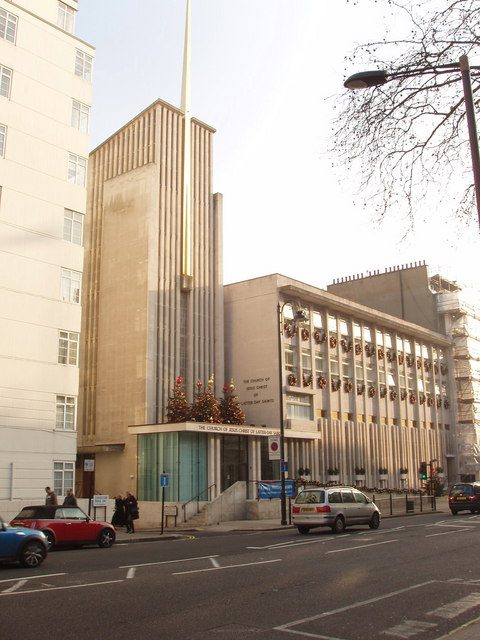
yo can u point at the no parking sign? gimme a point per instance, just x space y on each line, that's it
274 447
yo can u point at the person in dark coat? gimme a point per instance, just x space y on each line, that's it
70 500
51 497
131 511
118 519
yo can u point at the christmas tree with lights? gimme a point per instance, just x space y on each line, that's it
205 407
178 409
230 410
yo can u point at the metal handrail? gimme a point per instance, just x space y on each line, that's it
197 497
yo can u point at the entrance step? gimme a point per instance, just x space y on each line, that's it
199 519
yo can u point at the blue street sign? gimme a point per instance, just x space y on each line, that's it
284 466
273 489
164 478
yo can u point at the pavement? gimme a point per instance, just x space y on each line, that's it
469 631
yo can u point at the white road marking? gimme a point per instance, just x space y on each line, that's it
230 566
288 545
72 586
15 586
131 573
150 564
362 603
362 546
446 533
45 575
454 609
409 628
215 562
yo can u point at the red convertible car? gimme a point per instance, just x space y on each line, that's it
65 526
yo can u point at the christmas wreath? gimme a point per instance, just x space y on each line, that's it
360 389
336 385
409 360
439 402
372 392
305 334
403 394
358 349
422 398
413 398
419 363
292 379
401 358
427 365
307 379
383 392
319 336
322 382
446 403
368 350
348 386
290 329
333 342
393 394
380 353
430 401
346 345
390 355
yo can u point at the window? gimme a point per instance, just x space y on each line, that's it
344 328
367 336
357 331
5 81
317 320
289 360
80 116
62 477
388 341
71 282
318 363
65 415
3 140
379 335
65 17
83 65
73 226
77 169
299 406
8 26
68 347
332 324
306 361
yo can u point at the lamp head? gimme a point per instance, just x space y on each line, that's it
366 79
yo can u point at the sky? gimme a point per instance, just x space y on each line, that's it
267 74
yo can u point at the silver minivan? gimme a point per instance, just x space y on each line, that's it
335 507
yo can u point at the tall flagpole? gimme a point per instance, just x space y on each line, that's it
187 275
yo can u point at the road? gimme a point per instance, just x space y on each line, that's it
413 577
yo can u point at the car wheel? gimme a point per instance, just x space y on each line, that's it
106 538
303 530
454 512
374 521
50 539
339 525
32 554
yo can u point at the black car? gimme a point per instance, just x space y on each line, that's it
464 496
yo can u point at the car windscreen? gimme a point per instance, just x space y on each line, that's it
309 497
27 514
459 489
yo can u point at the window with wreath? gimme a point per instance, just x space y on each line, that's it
299 406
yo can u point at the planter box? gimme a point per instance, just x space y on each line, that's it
333 478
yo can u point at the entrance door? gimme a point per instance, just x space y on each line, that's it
234 460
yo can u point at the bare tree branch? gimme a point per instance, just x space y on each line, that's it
409 136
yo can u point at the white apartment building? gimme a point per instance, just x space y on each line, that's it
45 98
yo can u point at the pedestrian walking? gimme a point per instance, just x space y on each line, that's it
118 519
70 500
131 512
51 497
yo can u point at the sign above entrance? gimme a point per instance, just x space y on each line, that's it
227 429
89 464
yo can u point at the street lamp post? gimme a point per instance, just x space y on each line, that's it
375 78
299 317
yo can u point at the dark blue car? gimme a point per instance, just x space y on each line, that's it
26 546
